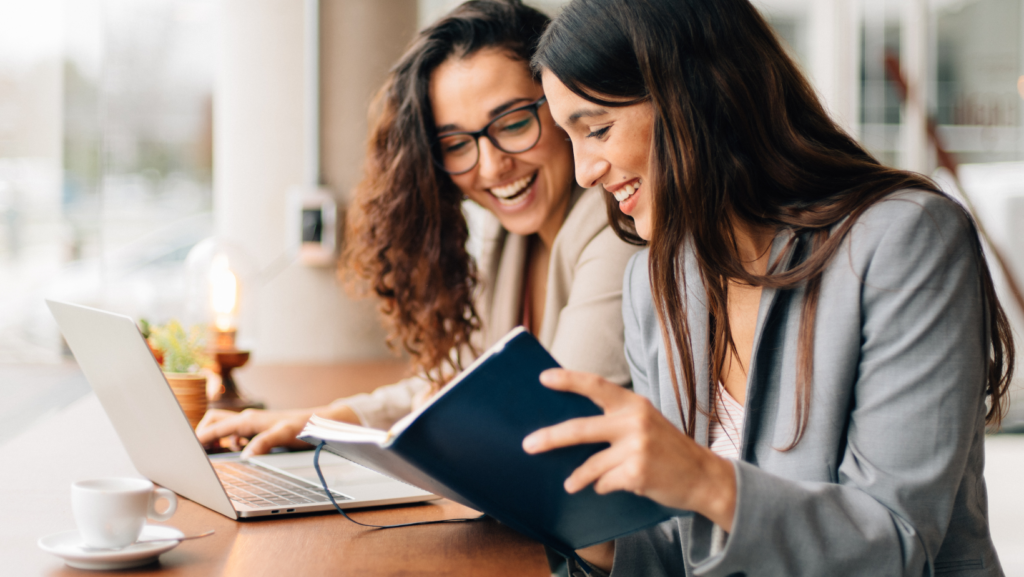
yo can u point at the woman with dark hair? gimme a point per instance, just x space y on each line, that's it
814 339
463 116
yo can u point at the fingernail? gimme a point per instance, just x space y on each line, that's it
529 443
547 377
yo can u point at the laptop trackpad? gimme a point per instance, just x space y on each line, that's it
341 474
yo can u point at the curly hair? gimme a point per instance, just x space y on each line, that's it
406 232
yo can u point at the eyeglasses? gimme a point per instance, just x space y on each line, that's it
515 131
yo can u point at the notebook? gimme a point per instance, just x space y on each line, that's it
129 384
465 444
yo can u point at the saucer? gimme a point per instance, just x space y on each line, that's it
68 546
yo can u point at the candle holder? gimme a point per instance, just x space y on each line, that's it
221 280
228 397
226 358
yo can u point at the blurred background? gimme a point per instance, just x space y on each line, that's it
132 130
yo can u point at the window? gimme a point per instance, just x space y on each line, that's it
105 158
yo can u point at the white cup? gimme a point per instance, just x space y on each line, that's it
110 513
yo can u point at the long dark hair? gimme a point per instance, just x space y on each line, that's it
739 136
406 234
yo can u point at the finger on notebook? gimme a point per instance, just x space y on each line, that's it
572 432
593 469
603 393
624 476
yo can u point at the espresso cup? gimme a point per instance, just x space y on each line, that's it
110 513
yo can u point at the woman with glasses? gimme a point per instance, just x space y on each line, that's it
463 117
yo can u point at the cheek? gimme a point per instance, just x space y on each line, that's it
553 154
464 182
558 155
554 142
634 158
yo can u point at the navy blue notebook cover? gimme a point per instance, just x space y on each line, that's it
466 445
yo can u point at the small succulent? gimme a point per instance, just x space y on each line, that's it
184 351
145 328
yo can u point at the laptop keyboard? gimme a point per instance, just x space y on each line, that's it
258 487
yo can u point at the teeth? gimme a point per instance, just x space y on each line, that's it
508 201
627 191
508 191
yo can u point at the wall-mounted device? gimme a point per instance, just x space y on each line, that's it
314 225
312 209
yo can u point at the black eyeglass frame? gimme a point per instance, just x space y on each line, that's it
533 107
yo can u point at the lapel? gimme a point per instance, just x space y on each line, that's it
769 298
562 249
697 319
508 284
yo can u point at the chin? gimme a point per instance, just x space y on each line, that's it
643 230
521 226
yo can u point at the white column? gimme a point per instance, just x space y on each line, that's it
835 58
914 62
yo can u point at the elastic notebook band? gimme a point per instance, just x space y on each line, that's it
583 564
323 483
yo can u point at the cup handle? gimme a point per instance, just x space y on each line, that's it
172 504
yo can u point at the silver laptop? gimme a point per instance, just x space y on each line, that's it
163 447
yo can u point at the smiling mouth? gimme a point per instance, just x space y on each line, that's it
627 191
509 193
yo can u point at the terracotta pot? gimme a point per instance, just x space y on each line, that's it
190 390
157 353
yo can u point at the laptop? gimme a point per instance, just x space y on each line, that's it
119 366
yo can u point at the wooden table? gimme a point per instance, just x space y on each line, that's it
38 467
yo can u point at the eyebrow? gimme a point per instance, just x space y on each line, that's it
585 113
491 114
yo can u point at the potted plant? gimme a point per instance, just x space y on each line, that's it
182 355
147 332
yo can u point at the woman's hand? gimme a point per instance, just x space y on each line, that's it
648 455
268 429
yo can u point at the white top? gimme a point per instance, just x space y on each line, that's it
726 432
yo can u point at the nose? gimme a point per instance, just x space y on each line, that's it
493 162
590 168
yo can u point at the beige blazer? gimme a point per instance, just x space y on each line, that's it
582 324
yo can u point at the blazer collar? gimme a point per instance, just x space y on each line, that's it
508 283
697 317
783 253
697 320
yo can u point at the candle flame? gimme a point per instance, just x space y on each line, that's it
223 293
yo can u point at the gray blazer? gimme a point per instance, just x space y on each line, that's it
888 477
